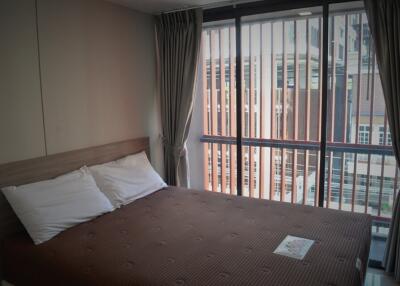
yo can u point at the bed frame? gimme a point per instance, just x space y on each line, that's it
48 167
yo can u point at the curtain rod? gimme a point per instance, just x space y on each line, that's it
211 5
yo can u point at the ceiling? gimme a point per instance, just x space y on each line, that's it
158 6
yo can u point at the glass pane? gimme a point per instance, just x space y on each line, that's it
213 165
281 81
361 172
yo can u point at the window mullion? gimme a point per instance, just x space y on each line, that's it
324 99
238 105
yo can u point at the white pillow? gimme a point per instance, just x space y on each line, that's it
128 179
47 208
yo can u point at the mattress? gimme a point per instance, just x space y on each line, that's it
187 237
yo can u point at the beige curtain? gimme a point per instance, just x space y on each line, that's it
384 22
178 43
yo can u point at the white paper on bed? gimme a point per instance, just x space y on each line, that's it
294 247
128 179
47 208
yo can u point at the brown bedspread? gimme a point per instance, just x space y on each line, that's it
186 237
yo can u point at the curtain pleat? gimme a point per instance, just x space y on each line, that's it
384 21
178 44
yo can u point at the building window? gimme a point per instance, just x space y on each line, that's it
382 136
315 37
363 134
341 51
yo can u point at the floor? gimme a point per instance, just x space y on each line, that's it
377 277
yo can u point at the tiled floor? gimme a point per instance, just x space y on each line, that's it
377 277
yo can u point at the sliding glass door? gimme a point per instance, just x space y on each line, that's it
259 123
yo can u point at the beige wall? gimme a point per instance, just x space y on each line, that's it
97 63
21 132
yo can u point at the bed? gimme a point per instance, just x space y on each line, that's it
179 236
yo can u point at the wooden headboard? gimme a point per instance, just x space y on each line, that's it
48 167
